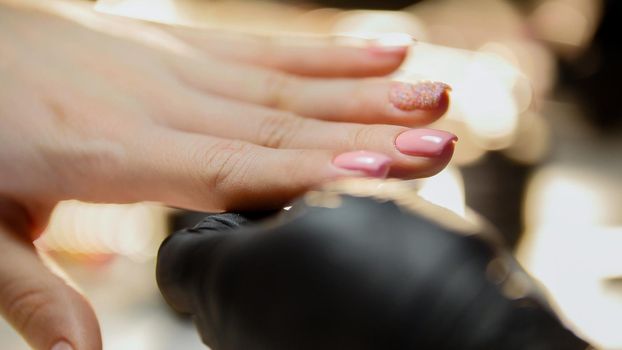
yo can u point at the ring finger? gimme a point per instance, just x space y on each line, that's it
371 100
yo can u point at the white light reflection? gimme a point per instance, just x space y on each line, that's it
433 139
164 11
446 189
131 230
567 22
573 248
369 24
484 96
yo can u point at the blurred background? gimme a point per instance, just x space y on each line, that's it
534 103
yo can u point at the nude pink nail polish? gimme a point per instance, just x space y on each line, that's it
391 44
425 95
387 50
62 345
371 163
424 142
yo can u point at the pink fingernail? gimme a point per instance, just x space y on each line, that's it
62 345
391 44
425 95
424 142
371 163
387 50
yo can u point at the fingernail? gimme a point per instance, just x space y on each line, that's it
62 345
391 44
424 142
394 39
387 51
425 95
371 163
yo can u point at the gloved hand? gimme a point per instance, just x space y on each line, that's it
368 268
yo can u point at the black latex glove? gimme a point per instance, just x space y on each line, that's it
344 272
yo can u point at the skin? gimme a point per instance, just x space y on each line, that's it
122 111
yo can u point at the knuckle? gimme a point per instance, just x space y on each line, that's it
276 86
360 137
271 53
226 163
359 101
278 129
26 304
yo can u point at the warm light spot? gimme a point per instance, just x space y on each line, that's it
560 22
564 197
394 39
160 10
446 189
485 98
369 24
574 252
131 230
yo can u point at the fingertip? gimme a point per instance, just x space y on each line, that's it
67 323
41 306
388 52
424 142
364 163
394 45
375 101
384 60
442 105
426 95
442 160
62 345
417 104
417 166
392 49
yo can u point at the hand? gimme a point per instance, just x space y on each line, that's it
122 111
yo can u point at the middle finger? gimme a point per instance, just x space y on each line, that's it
415 152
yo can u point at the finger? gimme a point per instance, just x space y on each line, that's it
207 173
364 101
30 219
43 308
415 152
309 56
354 100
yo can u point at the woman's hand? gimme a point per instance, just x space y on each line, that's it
122 111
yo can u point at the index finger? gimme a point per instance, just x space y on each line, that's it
324 56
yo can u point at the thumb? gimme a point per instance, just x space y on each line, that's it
48 313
